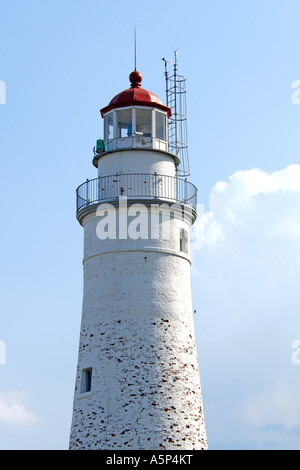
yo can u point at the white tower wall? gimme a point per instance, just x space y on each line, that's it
136 161
137 336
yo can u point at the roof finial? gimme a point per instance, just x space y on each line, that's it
135 79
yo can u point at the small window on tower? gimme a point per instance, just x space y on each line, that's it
184 241
86 380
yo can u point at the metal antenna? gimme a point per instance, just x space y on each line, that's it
135 48
166 76
176 100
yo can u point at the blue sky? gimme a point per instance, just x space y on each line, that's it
63 61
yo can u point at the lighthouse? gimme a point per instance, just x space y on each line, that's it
137 379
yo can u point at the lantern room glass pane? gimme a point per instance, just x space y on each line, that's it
160 125
124 123
108 127
144 121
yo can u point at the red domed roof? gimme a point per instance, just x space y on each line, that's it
136 95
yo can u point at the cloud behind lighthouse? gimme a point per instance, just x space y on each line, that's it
246 284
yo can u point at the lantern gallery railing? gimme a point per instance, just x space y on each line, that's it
136 186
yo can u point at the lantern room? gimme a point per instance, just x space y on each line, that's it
135 119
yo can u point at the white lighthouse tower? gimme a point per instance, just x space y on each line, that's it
137 381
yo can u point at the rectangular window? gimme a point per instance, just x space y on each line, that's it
184 241
160 125
109 127
124 123
144 121
86 380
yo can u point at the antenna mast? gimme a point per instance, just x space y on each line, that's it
176 100
135 48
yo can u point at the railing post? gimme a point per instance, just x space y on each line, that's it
155 185
87 191
98 188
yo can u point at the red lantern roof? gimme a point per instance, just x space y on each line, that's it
135 95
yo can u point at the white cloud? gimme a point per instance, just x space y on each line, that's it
251 241
278 404
255 202
13 410
246 271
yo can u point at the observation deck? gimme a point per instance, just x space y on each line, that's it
147 188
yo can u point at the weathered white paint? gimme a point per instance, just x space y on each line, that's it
137 335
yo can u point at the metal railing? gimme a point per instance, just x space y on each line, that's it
136 186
